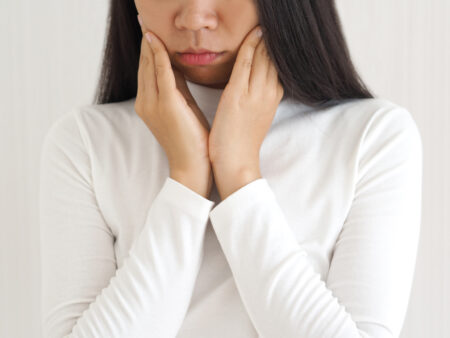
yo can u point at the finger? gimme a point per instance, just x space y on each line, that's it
181 83
141 82
146 73
275 83
165 79
184 90
259 70
141 24
241 70
272 74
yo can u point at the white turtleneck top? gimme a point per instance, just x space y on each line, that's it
323 245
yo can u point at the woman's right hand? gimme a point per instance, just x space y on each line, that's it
167 107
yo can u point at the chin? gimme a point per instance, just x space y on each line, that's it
207 79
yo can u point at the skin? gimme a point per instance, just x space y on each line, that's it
216 25
249 101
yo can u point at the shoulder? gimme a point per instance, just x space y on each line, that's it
368 118
387 133
363 128
382 119
375 111
355 119
107 121
362 111
352 111
93 123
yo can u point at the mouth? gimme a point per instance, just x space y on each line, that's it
199 58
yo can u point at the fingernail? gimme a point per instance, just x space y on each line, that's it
148 36
139 19
259 32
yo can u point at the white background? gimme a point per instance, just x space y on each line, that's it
50 58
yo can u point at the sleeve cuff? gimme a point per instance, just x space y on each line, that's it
185 199
238 202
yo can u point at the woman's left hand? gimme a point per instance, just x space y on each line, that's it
244 115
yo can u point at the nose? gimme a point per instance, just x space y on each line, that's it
195 16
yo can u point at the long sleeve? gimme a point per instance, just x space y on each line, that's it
83 292
367 289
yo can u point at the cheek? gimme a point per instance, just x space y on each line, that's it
241 15
156 14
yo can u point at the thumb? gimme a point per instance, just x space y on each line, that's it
182 86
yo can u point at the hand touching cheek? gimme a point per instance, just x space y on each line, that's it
244 115
167 107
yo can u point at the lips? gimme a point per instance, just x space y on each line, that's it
198 51
200 58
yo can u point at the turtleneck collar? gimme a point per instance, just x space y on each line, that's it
208 99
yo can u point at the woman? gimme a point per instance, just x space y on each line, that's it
257 191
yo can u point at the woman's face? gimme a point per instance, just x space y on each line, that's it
216 25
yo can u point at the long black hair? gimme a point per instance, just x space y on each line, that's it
304 39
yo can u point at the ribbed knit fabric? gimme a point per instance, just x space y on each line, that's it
324 245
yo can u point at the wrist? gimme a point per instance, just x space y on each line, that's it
229 181
199 180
